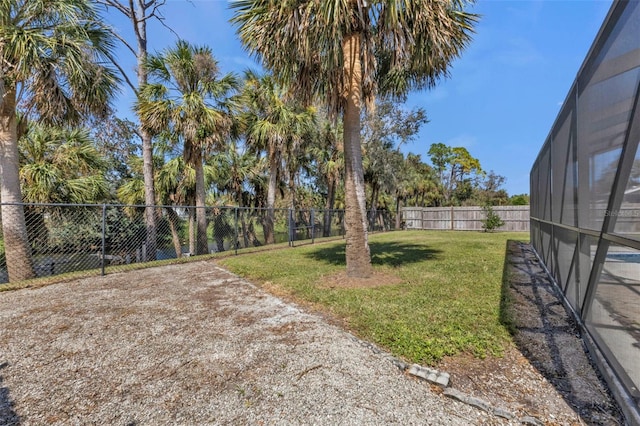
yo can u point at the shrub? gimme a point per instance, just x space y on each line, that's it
492 220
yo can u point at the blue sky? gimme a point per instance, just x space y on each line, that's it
500 100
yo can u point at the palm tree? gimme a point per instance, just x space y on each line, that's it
175 187
188 95
235 170
297 153
421 182
275 125
170 177
61 165
52 55
347 52
58 165
329 162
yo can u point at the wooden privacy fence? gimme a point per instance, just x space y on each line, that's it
516 218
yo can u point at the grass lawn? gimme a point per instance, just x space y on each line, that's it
442 294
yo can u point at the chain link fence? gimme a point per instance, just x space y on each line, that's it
106 238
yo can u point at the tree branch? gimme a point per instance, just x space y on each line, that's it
126 44
124 74
116 4
155 13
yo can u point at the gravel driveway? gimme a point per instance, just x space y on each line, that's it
193 344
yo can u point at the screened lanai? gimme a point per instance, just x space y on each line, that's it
585 200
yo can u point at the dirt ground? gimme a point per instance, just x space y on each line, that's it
194 344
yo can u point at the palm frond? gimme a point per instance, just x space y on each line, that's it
56 52
405 44
61 165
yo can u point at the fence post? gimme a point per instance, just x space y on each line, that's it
452 218
313 226
235 226
290 227
104 237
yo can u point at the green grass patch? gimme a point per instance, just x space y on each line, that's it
448 299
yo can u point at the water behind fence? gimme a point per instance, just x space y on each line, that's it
68 238
516 218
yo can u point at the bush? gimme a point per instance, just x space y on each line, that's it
492 220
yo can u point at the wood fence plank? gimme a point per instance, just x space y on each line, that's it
467 218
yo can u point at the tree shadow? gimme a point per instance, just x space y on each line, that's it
393 253
549 337
8 416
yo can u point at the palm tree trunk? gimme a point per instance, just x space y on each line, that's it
331 198
219 229
358 255
192 231
271 199
173 226
292 191
292 208
149 195
243 221
245 230
398 213
14 228
252 234
202 243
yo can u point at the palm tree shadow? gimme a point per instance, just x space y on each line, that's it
7 414
393 253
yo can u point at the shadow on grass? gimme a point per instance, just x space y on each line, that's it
393 253
547 335
7 415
